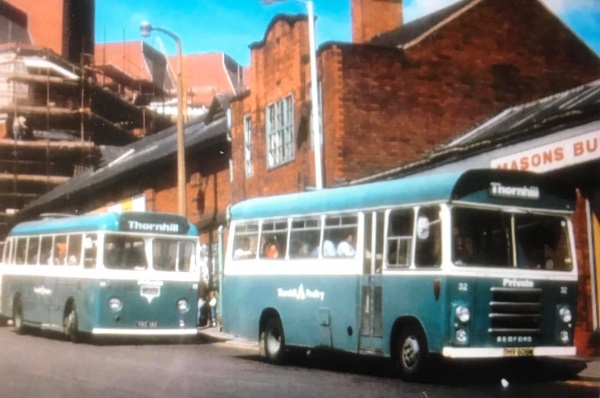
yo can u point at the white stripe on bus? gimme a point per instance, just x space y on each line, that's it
145 332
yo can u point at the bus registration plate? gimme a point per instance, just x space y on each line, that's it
518 352
146 324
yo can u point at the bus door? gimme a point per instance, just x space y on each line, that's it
371 290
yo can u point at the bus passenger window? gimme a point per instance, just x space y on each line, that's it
90 248
46 250
340 236
274 239
304 237
400 238
60 250
429 238
32 250
20 251
245 241
74 251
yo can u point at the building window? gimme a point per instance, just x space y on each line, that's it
248 146
280 132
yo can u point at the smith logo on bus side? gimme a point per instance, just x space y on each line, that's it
301 293
149 227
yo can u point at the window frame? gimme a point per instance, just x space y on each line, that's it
280 132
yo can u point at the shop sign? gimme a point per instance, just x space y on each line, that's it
553 156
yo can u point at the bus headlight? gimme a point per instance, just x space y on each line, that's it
115 304
565 314
463 314
183 305
564 337
461 336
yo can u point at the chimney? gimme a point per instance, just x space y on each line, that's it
372 17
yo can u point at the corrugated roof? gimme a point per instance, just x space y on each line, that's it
152 150
536 115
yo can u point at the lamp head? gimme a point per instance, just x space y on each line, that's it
145 29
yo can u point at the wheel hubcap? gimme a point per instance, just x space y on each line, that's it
274 341
410 352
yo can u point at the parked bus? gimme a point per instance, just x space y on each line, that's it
129 274
475 264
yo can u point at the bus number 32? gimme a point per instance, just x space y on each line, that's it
463 286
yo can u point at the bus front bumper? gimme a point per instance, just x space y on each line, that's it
144 332
506 352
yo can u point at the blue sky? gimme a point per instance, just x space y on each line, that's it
231 26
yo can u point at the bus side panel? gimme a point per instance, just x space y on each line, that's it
315 311
418 296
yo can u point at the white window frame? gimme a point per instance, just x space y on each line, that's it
248 161
280 132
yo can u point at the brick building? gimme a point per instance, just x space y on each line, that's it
393 97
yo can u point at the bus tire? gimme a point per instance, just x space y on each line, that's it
411 353
274 342
71 327
18 316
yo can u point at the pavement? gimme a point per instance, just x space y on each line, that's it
586 368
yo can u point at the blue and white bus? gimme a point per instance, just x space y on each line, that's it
475 264
128 274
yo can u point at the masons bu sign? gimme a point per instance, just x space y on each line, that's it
557 155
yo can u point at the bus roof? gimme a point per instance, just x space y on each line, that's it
469 186
142 222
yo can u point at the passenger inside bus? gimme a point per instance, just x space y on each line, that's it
271 249
346 247
244 251
60 253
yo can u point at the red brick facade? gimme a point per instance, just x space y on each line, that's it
371 17
383 106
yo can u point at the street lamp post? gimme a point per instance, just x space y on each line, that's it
314 90
145 30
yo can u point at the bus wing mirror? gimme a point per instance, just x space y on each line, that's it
422 227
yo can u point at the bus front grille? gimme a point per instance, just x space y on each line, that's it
515 310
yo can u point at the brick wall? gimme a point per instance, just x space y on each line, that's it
279 67
397 105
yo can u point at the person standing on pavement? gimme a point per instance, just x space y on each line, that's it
212 302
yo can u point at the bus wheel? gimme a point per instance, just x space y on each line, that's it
18 317
411 353
70 324
274 341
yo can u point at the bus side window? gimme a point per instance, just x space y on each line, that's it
90 248
339 236
20 251
400 238
46 250
274 239
60 250
74 250
245 240
429 241
304 237
32 250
